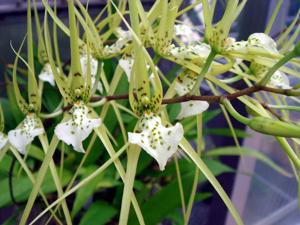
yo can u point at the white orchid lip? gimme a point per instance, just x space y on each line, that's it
3 140
256 40
158 141
78 128
24 134
192 108
183 85
126 63
280 80
192 51
46 74
263 41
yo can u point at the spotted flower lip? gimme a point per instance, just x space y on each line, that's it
3 140
78 128
192 108
258 40
24 134
126 63
263 41
46 74
201 50
158 141
280 80
183 86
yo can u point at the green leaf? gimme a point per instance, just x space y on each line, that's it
99 213
23 186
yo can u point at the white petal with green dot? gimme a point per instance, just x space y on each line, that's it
263 41
158 141
126 63
78 128
184 85
191 51
46 74
239 46
280 80
24 134
192 108
3 140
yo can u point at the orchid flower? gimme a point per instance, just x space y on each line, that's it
77 93
3 140
158 141
266 43
24 134
78 128
183 85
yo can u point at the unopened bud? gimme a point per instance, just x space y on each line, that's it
274 127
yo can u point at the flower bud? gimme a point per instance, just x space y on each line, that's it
274 127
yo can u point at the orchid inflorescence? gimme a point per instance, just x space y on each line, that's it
256 62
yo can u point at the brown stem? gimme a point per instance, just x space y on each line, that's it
208 98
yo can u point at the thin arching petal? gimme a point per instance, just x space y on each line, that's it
78 128
25 133
192 108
